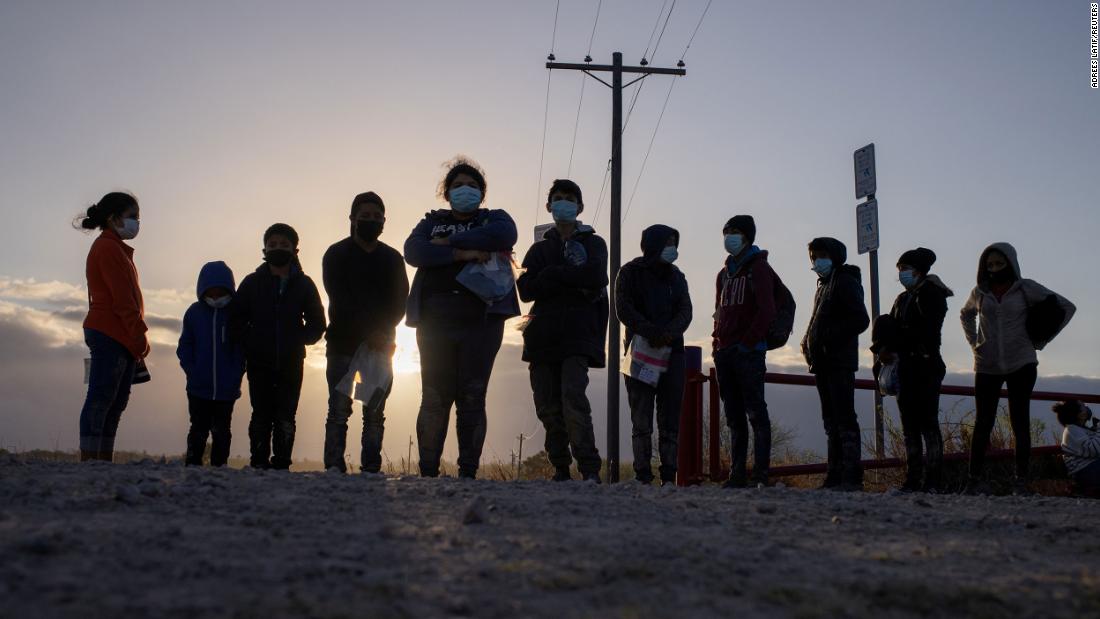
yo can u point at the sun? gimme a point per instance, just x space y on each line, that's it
406 359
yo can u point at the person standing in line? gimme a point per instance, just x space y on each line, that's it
995 321
565 276
367 290
277 313
918 315
744 310
114 329
831 349
652 301
457 333
213 364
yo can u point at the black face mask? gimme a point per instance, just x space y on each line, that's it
278 257
1000 277
368 230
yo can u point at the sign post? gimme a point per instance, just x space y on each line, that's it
867 233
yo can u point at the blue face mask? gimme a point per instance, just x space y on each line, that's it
669 254
908 278
465 199
564 211
734 244
823 266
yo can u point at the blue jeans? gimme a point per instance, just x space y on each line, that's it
456 361
741 384
336 426
109 381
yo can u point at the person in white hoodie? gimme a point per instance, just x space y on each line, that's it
1006 320
1080 445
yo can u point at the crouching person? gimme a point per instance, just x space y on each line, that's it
652 301
213 364
831 349
1080 446
566 278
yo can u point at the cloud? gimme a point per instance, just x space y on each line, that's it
30 289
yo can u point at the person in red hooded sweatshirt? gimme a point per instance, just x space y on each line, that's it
115 328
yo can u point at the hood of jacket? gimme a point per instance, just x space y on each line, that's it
213 275
934 280
1010 254
654 239
838 253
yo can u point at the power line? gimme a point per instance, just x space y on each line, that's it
546 111
696 31
592 37
580 100
554 35
645 59
650 147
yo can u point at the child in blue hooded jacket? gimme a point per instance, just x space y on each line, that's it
213 363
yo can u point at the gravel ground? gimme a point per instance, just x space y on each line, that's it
154 540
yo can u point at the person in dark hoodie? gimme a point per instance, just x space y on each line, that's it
994 319
457 333
652 301
565 276
277 313
367 290
831 348
914 345
744 308
213 364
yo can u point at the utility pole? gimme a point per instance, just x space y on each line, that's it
409 461
519 458
616 69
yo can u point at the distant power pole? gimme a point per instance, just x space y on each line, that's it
519 458
616 69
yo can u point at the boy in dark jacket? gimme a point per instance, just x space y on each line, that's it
458 335
915 346
831 349
652 301
566 278
367 289
277 313
744 309
213 364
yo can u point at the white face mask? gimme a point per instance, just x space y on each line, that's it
217 303
129 229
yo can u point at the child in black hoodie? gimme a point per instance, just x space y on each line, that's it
277 313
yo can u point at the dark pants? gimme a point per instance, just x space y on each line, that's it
562 406
209 418
741 383
919 406
837 392
274 394
987 395
1088 479
336 425
669 398
456 361
109 381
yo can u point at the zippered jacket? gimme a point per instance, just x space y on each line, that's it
651 296
213 363
115 305
276 320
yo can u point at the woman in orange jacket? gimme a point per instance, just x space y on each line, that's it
115 326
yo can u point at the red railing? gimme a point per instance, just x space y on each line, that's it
690 457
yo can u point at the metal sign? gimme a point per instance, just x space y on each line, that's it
865 171
867 226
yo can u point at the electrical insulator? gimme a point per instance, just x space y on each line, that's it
680 64
551 58
588 59
644 62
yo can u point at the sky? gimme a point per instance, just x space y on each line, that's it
226 117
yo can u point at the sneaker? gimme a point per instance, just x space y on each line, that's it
910 486
733 484
467 474
593 478
642 481
562 474
1019 488
976 487
848 487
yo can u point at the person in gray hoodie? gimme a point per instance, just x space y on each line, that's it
995 321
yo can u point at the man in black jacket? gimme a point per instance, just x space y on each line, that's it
914 345
277 313
367 289
565 275
831 349
652 301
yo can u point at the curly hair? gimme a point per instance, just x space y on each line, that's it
461 164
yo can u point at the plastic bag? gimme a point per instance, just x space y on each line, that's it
369 377
491 281
645 362
888 383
